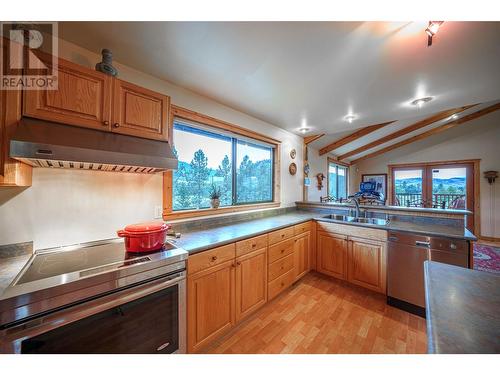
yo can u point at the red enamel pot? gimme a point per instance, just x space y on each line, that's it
144 237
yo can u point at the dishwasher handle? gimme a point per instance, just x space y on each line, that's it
423 244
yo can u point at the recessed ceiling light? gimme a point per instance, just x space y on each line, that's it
421 101
304 129
350 118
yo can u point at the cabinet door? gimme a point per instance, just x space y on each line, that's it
367 264
332 255
301 254
210 304
139 112
83 98
251 282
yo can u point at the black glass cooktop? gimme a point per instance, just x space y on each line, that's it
57 263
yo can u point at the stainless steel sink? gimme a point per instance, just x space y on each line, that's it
352 219
338 217
369 220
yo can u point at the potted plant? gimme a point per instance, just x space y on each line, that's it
215 196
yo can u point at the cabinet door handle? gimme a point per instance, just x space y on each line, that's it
214 258
254 245
238 263
105 122
116 125
282 251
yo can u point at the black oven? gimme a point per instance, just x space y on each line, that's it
142 319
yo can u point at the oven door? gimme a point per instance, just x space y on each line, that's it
144 319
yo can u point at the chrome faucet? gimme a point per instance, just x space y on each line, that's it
357 213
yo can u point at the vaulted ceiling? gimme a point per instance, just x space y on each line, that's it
314 73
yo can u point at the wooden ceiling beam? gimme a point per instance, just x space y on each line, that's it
431 132
312 138
418 125
352 137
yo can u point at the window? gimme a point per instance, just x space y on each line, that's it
241 168
337 180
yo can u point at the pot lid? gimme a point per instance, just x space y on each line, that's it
150 226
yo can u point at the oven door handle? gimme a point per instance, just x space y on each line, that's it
13 337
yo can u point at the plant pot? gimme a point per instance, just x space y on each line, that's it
215 203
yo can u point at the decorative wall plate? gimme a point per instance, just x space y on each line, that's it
293 153
292 168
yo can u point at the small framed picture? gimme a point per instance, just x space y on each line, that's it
380 181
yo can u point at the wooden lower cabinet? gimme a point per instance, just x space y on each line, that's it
251 282
367 264
210 306
301 255
332 254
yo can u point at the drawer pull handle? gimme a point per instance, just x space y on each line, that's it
213 259
282 284
254 245
283 235
422 244
282 268
282 251
116 125
105 123
238 263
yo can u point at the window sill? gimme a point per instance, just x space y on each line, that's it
216 211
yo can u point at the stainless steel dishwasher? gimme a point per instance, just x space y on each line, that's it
405 266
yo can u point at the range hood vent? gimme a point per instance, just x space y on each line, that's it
51 145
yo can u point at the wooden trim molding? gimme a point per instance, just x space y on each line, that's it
418 125
170 214
430 132
352 137
219 124
312 138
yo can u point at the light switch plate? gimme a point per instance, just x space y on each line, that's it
158 212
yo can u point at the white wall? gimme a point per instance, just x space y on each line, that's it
65 207
477 139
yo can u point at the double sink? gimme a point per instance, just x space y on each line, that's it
360 220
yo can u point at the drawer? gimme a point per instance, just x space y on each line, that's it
210 258
302 228
247 246
280 250
280 267
275 287
281 235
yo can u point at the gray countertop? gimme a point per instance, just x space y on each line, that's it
9 268
200 240
463 309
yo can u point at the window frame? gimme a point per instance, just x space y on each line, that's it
341 164
216 124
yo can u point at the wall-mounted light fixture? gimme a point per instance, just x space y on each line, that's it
432 30
491 176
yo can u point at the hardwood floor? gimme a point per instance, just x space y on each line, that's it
321 314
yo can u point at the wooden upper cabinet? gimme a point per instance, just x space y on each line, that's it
210 305
332 254
139 112
301 255
367 264
83 98
251 282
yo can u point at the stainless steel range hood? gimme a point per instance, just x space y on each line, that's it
52 145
